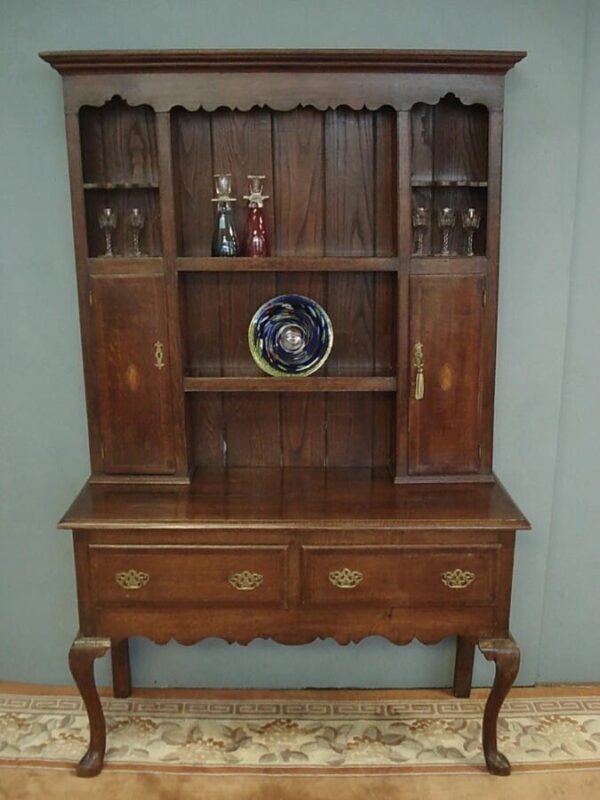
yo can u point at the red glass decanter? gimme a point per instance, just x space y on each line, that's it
256 241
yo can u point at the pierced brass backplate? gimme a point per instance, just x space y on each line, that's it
458 578
132 579
346 578
246 581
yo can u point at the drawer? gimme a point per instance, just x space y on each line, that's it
188 575
410 575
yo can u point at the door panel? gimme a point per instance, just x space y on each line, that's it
446 317
130 344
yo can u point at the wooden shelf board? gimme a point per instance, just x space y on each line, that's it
308 384
451 265
287 263
151 265
449 184
112 186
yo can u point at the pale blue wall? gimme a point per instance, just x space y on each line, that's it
43 436
570 642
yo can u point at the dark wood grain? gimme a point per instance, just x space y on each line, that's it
294 478
439 61
118 144
82 655
136 411
404 239
299 183
398 576
350 230
176 353
288 264
421 127
208 430
121 669
313 383
445 426
189 575
385 286
460 141
507 657
193 171
463 666
349 498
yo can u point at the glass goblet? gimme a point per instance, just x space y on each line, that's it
446 221
136 221
107 221
471 219
223 187
420 220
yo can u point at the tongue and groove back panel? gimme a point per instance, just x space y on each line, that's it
331 179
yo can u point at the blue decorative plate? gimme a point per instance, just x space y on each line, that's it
290 335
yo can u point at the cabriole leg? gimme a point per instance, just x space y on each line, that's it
84 651
463 666
506 655
121 672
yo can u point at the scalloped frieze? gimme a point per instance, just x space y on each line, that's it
341 636
244 91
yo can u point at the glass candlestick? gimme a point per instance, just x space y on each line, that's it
470 222
446 220
107 221
256 241
420 221
225 241
136 221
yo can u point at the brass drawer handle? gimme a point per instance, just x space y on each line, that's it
132 579
419 365
246 581
159 355
458 578
346 578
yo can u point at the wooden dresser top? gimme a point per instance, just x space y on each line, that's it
294 498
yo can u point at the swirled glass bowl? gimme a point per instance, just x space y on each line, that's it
290 335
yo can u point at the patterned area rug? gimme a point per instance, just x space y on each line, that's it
307 732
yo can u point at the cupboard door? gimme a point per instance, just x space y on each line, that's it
130 347
446 319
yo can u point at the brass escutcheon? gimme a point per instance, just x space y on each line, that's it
159 355
245 581
458 578
346 578
419 365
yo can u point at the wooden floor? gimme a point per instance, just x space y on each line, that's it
29 784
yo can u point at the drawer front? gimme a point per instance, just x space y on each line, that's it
400 576
188 575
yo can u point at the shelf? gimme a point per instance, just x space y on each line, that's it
454 265
308 384
110 186
416 184
119 265
288 263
